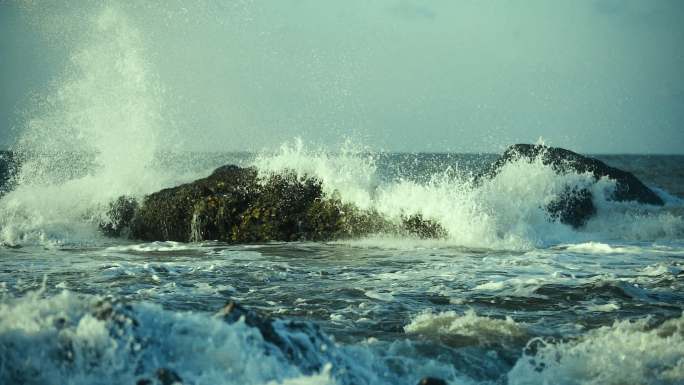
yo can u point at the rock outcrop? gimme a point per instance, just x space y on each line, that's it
236 205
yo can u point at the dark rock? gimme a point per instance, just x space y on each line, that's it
302 344
417 225
119 216
236 205
213 203
432 381
575 206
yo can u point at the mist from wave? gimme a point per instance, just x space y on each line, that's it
104 129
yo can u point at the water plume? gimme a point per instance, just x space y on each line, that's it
92 138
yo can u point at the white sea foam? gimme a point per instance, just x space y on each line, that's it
627 352
506 212
468 324
671 269
351 173
154 247
598 248
633 222
93 139
387 297
62 339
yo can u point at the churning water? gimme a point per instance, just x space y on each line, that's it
508 295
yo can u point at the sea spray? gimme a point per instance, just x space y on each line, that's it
351 172
92 139
507 211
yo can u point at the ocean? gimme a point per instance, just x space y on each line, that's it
505 294
509 296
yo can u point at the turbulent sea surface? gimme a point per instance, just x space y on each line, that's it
509 296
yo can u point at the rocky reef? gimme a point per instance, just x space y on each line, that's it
238 205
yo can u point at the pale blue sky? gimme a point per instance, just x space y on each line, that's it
603 76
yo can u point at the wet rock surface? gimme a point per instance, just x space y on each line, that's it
236 205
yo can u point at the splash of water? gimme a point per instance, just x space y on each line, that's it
92 138
95 136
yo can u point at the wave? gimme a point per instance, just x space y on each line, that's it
100 133
627 352
90 339
506 212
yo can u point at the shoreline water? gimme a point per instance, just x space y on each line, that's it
534 305
507 294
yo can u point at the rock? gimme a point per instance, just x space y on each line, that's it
211 204
236 205
119 216
432 381
423 228
303 344
575 206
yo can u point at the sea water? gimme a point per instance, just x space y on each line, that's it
507 295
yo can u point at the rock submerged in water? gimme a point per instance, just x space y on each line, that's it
574 206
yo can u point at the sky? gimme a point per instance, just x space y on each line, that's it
593 76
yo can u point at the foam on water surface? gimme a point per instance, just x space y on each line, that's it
468 324
76 338
466 315
508 293
626 352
